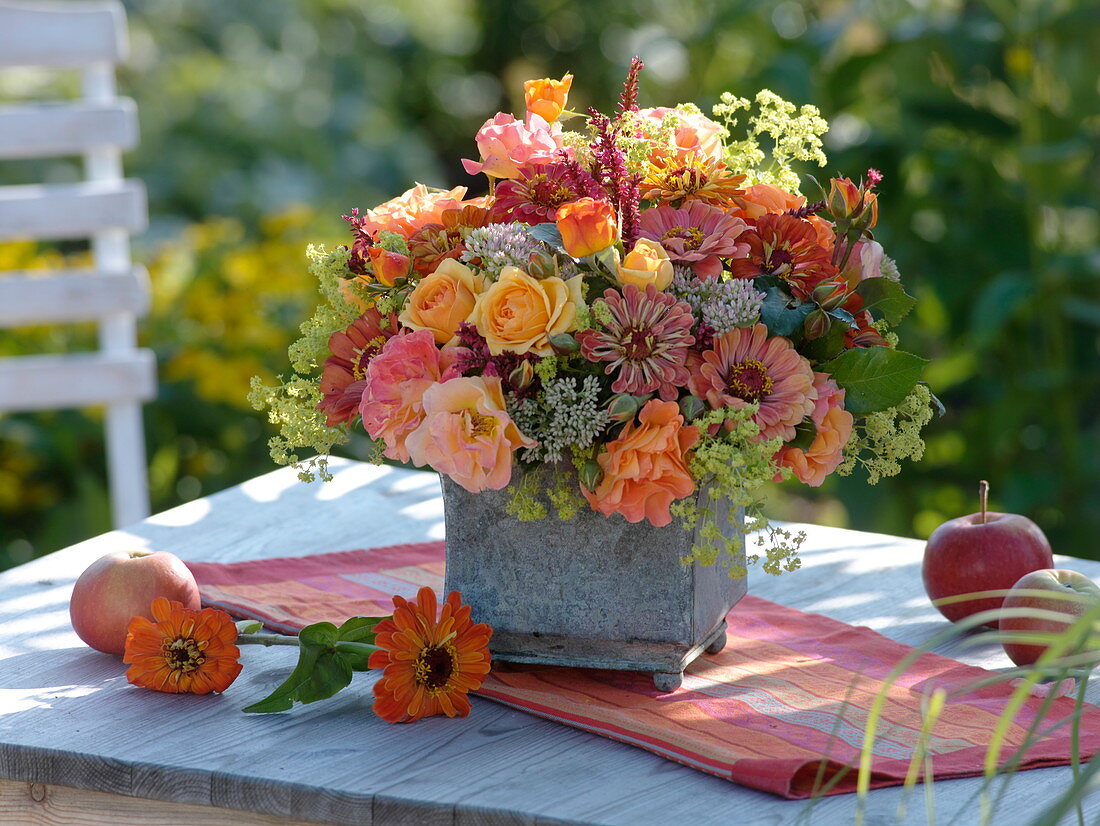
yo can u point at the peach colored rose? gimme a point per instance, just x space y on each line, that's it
413 209
647 263
506 144
388 266
645 468
520 313
467 434
547 97
397 379
443 300
694 133
587 226
834 428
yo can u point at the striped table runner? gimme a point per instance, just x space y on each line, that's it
782 709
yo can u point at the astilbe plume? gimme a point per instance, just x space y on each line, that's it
357 261
628 100
610 170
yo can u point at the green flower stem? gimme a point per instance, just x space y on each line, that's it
282 639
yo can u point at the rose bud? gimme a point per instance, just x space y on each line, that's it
624 407
817 324
647 263
850 202
541 265
388 266
829 295
546 97
564 344
586 226
692 407
590 474
522 375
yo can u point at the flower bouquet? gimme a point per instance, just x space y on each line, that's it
644 321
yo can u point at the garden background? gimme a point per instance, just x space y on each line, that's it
263 122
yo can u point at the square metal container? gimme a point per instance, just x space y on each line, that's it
594 591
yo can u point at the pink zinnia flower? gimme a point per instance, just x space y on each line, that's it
397 379
697 235
834 428
506 144
744 366
467 434
646 341
534 195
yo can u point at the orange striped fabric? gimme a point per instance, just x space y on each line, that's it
783 708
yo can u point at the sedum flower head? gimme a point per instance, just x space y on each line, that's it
566 414
720 305
497 246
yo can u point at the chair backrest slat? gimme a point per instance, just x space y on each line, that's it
61 33
77 380
30 298
57 129
65 211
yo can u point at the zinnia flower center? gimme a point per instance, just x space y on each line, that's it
779 261
363 356
547 193
434 667
183 654
686 179
749 380
638 345
691 236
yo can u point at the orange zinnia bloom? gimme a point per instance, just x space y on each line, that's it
431 658
182 650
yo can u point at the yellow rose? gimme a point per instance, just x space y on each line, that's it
442 301
647 263
520 313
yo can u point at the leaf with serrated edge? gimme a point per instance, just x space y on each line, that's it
874 378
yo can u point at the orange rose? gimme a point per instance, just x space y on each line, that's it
647 263
587 226
546 97
388 266
645 469
760 199
821 458
442 301
520 313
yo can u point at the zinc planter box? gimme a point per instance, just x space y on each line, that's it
593 592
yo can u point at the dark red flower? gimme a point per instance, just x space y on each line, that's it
787 247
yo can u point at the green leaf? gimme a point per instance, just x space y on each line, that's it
324 666
779 316
875 378
827 346
548 233
805 433
886 298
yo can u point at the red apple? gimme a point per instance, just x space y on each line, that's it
119 586
984 551
1055 581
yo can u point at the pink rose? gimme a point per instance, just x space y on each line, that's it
864 262
412 209
694 133
467 434
506 144
397 379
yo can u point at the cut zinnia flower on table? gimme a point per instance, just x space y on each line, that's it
182 650
431 658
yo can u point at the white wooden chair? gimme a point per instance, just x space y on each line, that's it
105 208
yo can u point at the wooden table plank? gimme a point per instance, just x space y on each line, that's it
68 717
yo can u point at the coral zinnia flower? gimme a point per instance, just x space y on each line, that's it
533 197
698 235
697 178
785 246
431 659
182 650
646 341
345 372
744 366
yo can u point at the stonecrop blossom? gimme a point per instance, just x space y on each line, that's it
644 340
638 305
698 235
496 246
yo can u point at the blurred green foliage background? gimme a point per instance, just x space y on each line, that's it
262 122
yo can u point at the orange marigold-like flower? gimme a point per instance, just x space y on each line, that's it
431 658
694 177
182 650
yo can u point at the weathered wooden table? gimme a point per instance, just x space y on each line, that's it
79 745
